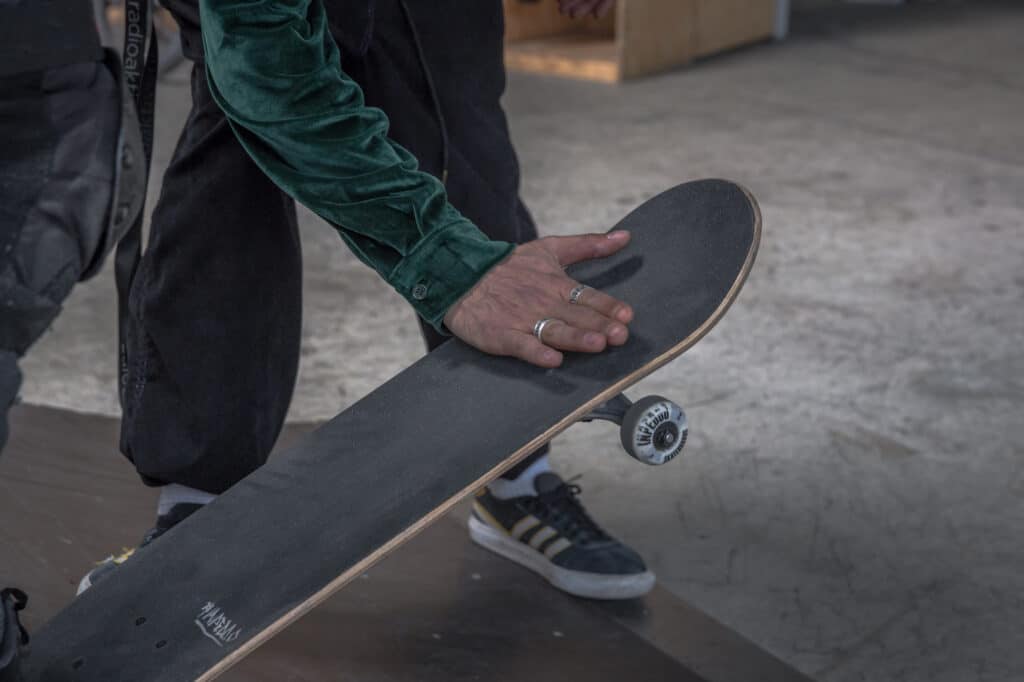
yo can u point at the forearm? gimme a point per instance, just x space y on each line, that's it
275 71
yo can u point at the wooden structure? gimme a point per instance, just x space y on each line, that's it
638 38
440 609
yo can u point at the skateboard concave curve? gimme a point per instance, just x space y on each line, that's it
321 512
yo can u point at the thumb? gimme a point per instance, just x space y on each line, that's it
569 250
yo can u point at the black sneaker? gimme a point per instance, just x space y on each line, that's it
551 534
178 513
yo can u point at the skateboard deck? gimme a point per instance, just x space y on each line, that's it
320 513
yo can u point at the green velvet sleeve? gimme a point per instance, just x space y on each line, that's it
275 71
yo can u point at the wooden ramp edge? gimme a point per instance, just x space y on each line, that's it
639 38
439 608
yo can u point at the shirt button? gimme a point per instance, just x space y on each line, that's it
419 292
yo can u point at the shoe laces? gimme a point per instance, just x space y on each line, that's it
562 509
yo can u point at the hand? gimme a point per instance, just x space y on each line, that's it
578 8
498 314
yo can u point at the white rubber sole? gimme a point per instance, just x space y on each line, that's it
110 564
578 583
84 584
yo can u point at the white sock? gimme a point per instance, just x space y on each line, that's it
504 488
173 494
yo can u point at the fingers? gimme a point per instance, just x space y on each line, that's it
563 335
587 320
526 347
557 336
608 306
499 313
569 250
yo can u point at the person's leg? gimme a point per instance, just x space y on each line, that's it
215 316
215 308
63 135
63 130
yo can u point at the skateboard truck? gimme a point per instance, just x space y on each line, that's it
653 429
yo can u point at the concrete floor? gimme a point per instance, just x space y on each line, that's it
853 496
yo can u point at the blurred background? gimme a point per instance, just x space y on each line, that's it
852 497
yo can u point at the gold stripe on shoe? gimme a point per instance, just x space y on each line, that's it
542 536
486 516
557 547
523 525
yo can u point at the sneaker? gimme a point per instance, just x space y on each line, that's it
551 534
176 515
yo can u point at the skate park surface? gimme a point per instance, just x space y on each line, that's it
852 495
439 608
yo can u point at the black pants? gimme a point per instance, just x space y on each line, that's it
217 299
59 123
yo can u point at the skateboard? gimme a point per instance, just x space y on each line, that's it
319 514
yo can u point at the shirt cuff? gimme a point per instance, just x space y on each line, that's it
444 266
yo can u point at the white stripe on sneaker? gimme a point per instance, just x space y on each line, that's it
522 525
542 536
557 547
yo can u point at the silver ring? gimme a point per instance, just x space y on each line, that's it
538 329
574 295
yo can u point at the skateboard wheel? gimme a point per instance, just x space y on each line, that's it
654 430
